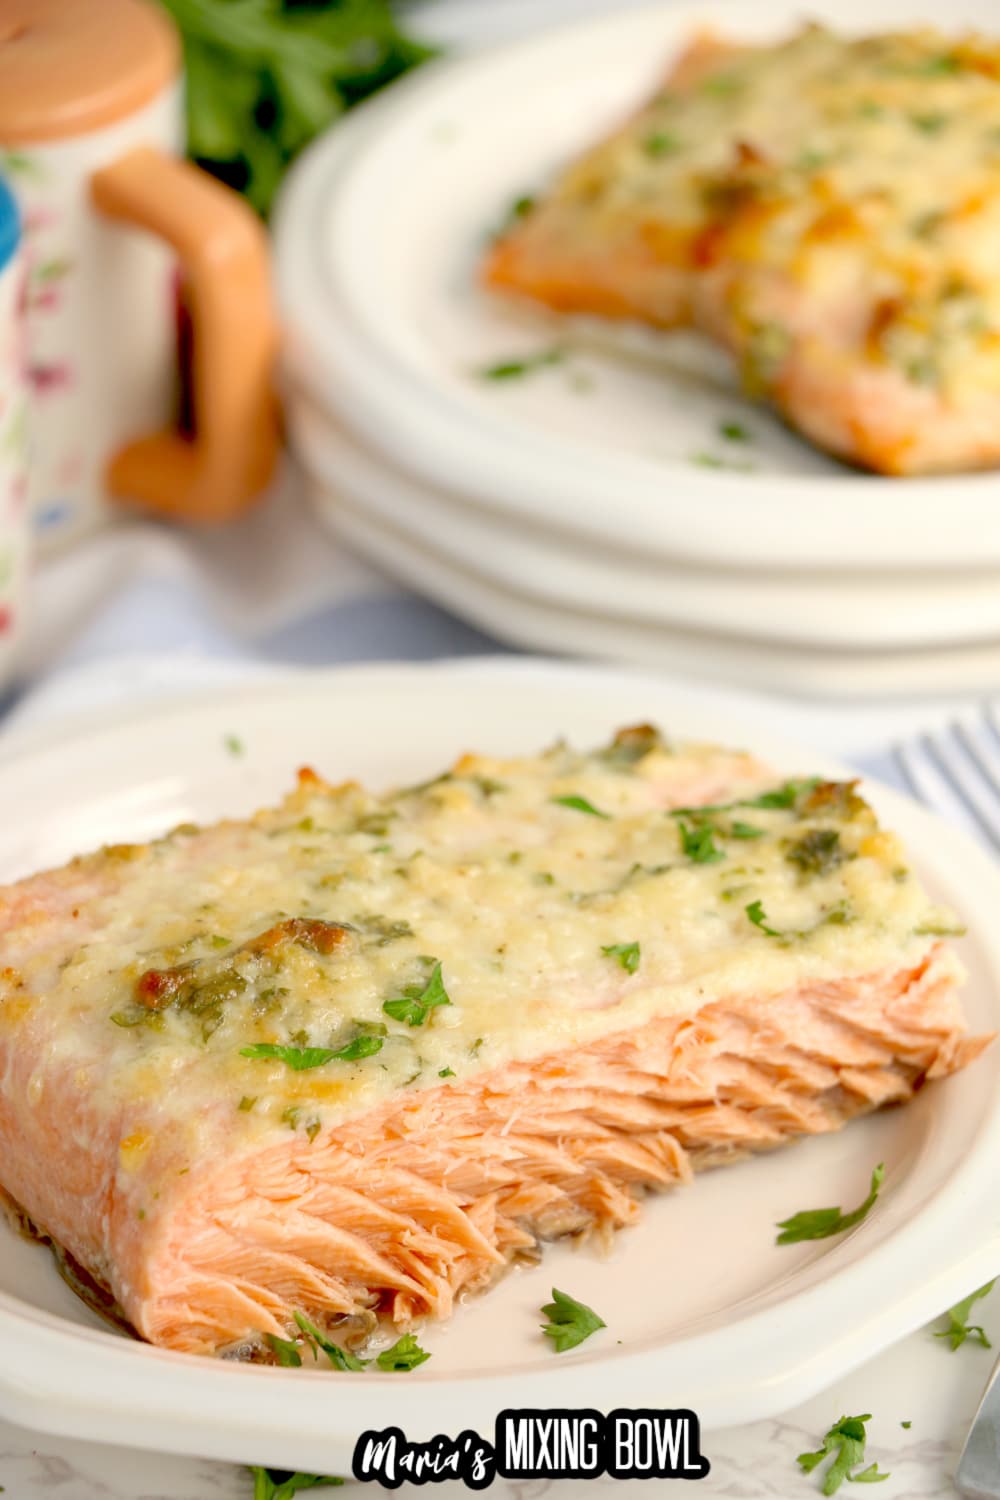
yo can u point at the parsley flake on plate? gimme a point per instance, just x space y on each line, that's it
845 1443
287 1354
417 1001
513 369
820 1223
959 1328
627 954
405 1354
340 1359
570 1322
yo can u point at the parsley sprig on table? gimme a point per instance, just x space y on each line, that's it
279 1484
264 77
820 1223
959 1328
846 1442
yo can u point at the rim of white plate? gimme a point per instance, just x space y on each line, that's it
888 612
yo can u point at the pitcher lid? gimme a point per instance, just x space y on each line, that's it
10 224
71 66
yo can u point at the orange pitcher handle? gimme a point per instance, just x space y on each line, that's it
222 248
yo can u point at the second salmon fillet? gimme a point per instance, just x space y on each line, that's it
349 1058
827 208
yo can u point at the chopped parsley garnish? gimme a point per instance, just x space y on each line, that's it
580 804
303 1058
931 123
288 1355
722 84
569 1321
734 432
959 1328
361 1046
405 1354
247 1103
631 745
706 460
627 954
130 1018
383 931
845 1442
941 62
417 1001
661 143
786 795
740 830
907 1425
446 1072
341 1359
755 911
933 927
817 852
513 369
234 744
518 210
489 786
820 1223
699 844
779 798
282 1484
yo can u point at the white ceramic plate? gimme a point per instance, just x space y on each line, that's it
510 615
709 1313
378 234
873 612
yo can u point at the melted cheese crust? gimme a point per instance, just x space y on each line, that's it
564 897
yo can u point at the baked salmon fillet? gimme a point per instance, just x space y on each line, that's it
828 208
351 1057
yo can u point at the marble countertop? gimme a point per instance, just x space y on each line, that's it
919 1380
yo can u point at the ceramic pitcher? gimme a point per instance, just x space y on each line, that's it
115 223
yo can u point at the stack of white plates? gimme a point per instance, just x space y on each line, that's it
614 494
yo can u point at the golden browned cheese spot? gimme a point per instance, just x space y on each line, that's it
157 988
311 933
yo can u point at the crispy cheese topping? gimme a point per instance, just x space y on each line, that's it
295 970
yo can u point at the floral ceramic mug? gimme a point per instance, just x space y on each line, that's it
14 526
91 140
